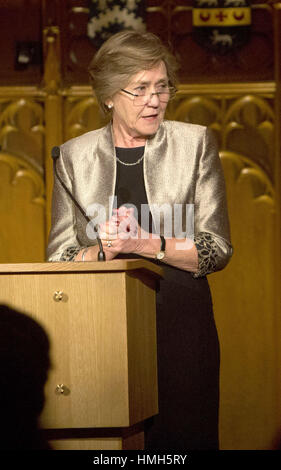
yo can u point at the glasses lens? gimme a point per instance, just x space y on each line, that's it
143 99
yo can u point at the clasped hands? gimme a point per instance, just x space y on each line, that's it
122 233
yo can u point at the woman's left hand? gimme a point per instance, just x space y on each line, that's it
122 233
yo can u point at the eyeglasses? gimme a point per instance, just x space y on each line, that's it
143 97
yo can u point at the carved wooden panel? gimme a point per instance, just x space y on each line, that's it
22 211
22 126
243 296
243 123
81 114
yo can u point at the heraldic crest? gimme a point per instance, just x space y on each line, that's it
221 25
107 17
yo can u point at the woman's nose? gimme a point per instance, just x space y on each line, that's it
153 99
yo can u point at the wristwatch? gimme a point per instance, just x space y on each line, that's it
160 255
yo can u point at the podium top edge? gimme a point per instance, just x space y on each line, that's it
80 266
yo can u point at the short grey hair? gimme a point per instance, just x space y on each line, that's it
123 55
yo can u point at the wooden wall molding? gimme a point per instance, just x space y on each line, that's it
247 168
243 295
20 169
22 123
22 211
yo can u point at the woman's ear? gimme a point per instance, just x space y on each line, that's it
109 104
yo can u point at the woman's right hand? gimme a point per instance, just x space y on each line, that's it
122 233
91 253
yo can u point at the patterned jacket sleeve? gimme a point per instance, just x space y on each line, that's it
212 233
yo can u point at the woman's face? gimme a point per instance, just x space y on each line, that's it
132 120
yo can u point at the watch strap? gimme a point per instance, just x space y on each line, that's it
160 255
163 243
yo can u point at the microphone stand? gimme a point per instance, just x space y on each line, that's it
55 155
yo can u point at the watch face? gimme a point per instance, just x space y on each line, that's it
160 255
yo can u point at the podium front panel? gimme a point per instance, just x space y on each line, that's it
102 331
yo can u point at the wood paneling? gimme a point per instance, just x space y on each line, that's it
22 211
241 116
247 321
22 124
87 444
277 174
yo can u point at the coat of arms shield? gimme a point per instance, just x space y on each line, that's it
221 25
107 17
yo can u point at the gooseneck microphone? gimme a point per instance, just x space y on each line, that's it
55 155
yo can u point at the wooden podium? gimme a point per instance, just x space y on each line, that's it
100 319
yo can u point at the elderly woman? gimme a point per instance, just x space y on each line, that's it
173 170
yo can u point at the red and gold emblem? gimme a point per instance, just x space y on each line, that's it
221 25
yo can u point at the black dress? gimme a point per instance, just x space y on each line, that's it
187 342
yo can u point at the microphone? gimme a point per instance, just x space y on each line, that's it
55 155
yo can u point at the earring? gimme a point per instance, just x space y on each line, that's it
110 105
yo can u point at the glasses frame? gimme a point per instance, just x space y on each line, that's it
172 90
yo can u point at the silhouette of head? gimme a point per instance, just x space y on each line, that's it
24 364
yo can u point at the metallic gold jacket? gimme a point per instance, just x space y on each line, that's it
181 166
